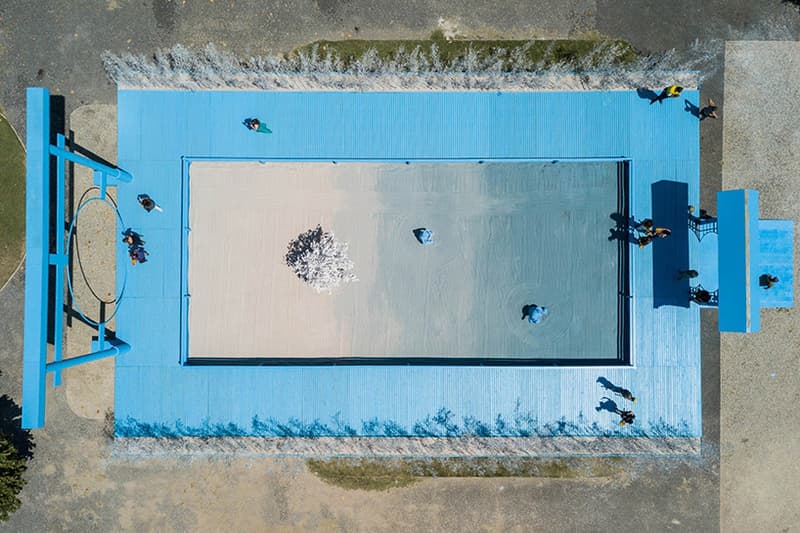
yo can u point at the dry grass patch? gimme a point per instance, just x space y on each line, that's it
385 474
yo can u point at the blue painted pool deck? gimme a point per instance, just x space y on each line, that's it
157 395
776 257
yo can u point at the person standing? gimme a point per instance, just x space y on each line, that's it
709 111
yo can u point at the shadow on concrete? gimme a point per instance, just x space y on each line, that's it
670 255
10 426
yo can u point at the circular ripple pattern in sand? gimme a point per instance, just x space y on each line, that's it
545 335
92 241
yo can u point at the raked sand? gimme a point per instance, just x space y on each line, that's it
506 235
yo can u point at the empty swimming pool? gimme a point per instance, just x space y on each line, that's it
506 234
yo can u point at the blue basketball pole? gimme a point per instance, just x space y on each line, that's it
39 259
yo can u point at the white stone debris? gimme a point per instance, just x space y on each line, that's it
320 260
411 70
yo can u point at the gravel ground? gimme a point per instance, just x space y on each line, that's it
760 423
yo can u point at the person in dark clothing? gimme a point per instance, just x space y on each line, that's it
626 416
148 203
768 281
137 254
709 111
608 404
131 238
256 125
701 296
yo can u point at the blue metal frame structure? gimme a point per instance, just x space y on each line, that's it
39 259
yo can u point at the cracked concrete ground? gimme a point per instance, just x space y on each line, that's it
74 483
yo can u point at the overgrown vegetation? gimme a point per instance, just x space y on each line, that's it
16 447
435 64
12 466
12 200
505 55
384 474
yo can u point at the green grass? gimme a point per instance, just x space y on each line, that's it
385 474
539 52
12 201
363 474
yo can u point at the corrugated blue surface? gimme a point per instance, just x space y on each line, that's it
156 395
776 257
37 239
737 213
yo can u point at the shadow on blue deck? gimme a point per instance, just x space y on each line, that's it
443 424
670 201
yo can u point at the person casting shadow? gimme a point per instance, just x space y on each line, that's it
131 238
767 281
708 111
607 404
673 91
619 391
534 313
424 236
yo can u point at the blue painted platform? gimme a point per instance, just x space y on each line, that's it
156 395
776 257
739 295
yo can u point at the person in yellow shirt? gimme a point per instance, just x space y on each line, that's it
673 91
